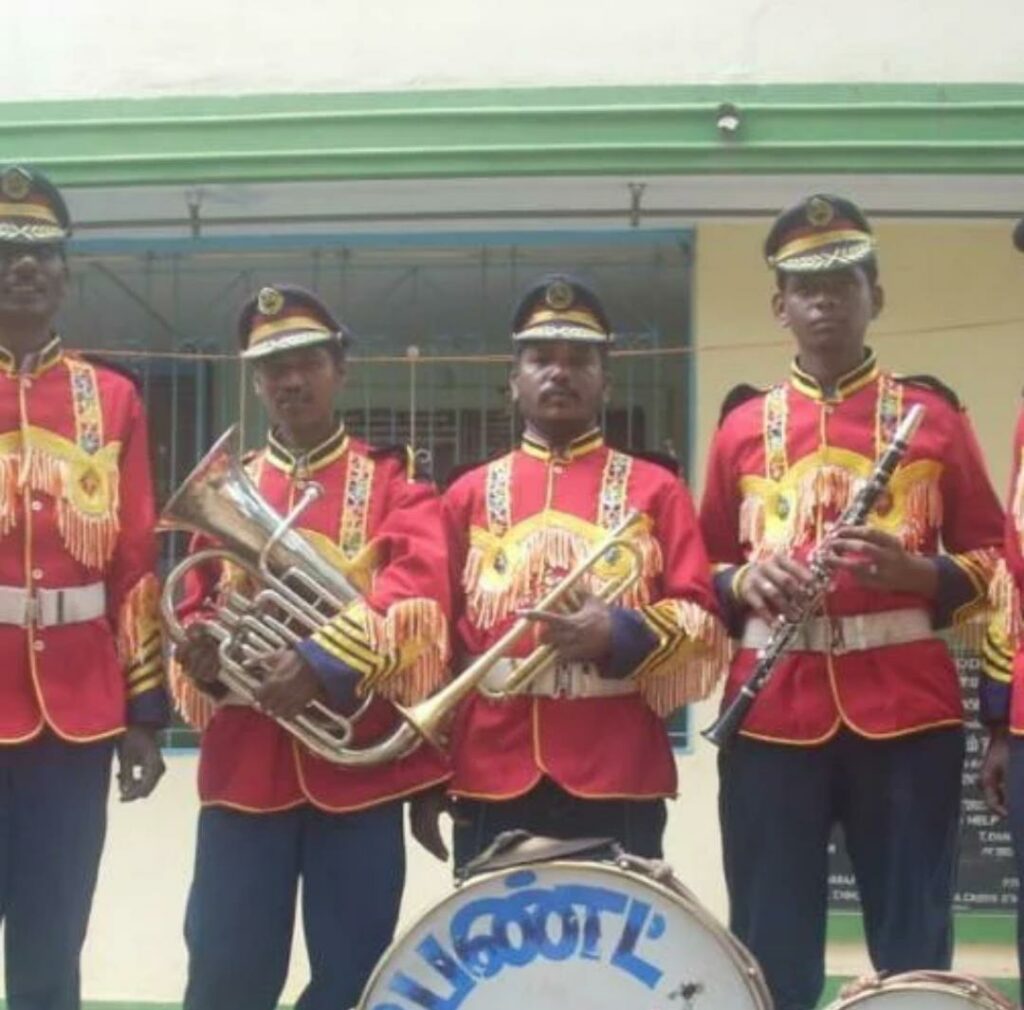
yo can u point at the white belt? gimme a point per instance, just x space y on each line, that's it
47 608
560 680
836 635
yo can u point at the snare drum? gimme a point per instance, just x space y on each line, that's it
568 935
921 990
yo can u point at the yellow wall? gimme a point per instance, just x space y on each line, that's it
936 275
943 282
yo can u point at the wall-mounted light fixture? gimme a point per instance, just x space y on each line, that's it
727 119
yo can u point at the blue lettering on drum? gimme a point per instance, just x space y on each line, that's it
491 934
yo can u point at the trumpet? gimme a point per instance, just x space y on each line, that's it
430 717
298 591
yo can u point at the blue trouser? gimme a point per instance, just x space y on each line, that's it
241 909
1015 802
547 809
898 802
53 819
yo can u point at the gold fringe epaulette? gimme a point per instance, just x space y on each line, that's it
969 635
139 637
923 512
796 507
997 655
401 654
980 567
8 492
502 575
87 495
413 635
85 487
1005 598
692 654
781 514
195 707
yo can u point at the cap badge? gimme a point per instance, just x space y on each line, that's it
819 212
16 184
559 296
269 301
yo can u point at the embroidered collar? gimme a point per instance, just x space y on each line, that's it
306 462
34 363
857 378
581 446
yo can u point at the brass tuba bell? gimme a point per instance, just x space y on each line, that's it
297 591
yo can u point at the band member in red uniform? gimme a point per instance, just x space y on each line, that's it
1002 696
862 724
585 752
273 813
79 633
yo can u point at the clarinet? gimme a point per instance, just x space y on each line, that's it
785 629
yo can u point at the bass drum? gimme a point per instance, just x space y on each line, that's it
568 935
921 990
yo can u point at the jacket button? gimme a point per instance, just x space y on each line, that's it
39 645
37 573
37 505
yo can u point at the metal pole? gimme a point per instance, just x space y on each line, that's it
630 398
243 391
412 353
364 373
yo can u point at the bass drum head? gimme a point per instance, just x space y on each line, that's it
922 991
566 936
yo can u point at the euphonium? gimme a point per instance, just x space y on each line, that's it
298 591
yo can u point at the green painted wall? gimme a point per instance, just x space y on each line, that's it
557 131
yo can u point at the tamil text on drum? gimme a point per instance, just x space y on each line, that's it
592 936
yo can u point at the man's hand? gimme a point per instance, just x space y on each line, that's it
585 633
289 685
775 586
425 811
878 560
140 764
198 654
993 769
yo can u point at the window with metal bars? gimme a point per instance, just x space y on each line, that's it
431 315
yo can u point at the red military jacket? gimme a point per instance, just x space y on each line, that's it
76 509
783 466
1002 696
515 526
382 529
